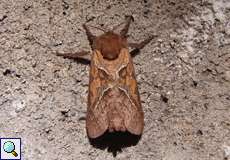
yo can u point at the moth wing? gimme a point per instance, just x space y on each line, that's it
96 123
134 119
96 119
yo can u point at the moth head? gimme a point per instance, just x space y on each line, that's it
110 45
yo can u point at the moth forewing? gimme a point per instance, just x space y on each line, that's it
96 119
134 120
118 105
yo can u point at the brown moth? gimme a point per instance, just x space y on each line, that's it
113 99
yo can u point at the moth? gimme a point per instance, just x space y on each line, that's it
113 98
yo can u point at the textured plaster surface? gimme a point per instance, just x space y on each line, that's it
183 77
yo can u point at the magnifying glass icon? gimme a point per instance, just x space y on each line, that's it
9 147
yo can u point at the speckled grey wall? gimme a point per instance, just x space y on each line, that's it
183 77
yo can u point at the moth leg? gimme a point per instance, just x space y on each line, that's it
138 46
125 30
85 55
90 36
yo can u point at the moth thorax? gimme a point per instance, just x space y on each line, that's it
110 45
110 53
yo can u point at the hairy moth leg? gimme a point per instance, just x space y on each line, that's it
138 46
77 55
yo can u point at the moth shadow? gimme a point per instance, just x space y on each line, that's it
115 141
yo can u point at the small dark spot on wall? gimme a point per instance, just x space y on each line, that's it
3 18
164 99
146 12
195 83
199 132
7 72
108 7
18 75
65 113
